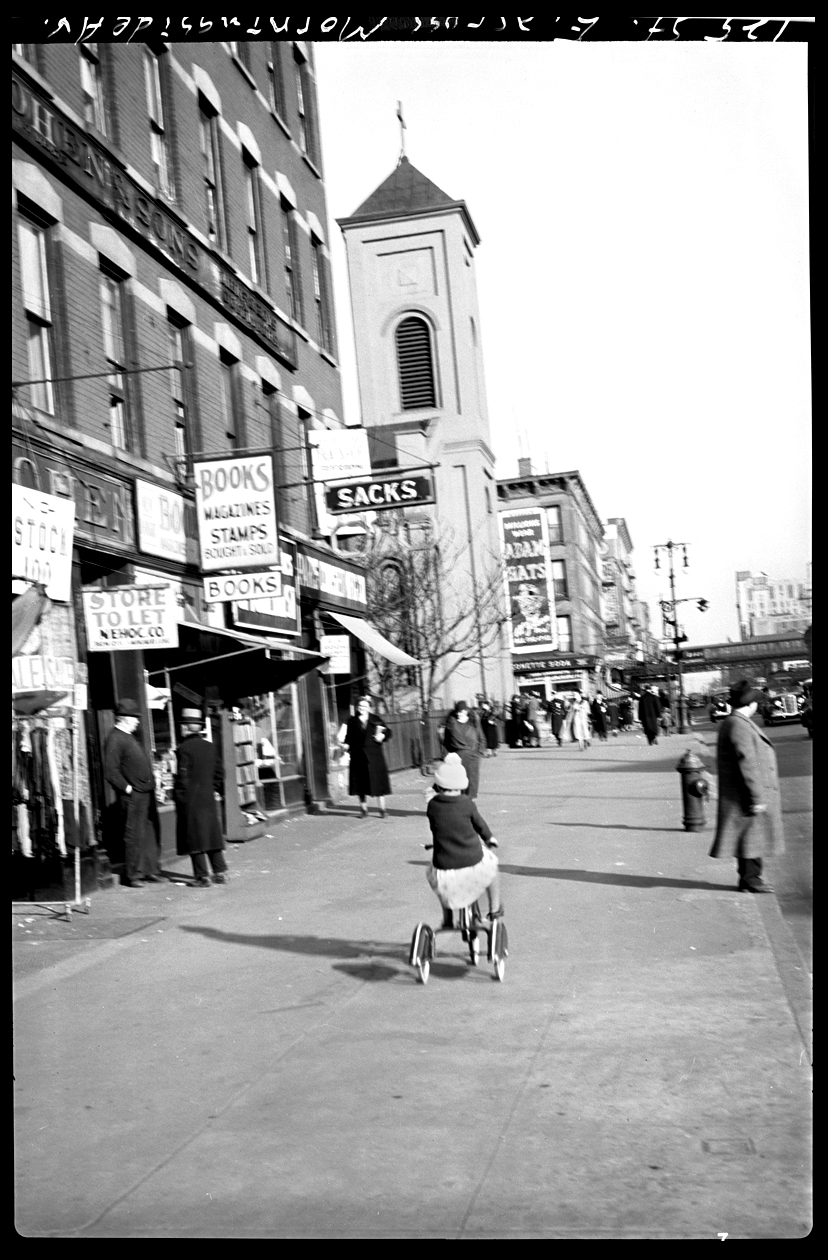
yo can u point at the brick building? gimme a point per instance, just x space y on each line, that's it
550 516
171 299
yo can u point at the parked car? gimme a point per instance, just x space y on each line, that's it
719 707
782 708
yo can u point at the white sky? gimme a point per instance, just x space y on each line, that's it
642 272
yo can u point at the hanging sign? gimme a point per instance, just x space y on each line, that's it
236 512
529 589
337 647
42 532
166 525
131 618
378 494
230 586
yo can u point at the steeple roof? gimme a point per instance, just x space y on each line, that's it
407 192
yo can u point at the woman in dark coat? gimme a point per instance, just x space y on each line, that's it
488 725
198 776
365 735
649 714
598 713
463 736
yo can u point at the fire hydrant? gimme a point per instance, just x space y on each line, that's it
695 787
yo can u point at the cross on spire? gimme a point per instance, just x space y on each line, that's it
402 129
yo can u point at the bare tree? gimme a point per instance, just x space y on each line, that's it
425 597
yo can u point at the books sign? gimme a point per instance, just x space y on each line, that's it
236 511
230 586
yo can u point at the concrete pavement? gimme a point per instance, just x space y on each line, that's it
257 1061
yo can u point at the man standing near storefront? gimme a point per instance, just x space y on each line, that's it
129 771
199 777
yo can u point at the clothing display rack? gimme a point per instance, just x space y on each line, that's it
79 904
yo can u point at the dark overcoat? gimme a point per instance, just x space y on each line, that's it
488 725
466 740
649 713
599 718
198 775
557 714
748 776
367 772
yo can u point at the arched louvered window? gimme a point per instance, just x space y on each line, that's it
415 365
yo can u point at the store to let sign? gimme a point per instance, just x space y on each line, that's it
42 535
131 618
231 586
236 512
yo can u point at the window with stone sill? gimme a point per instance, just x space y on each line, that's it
37 303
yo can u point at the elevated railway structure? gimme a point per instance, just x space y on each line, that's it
782 659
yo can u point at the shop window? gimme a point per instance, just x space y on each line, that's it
159 140
414 364
320 297
564 634
34 266
211 174
91 76
293 282
112 315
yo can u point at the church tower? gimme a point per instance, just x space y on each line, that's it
410 250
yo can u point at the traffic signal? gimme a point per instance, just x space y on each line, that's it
702 605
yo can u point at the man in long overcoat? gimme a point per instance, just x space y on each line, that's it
649 714
557 716
749 821
198 776
365 735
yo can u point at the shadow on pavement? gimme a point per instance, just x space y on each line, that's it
373 968
606 877
616 826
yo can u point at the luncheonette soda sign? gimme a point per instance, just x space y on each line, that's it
236 511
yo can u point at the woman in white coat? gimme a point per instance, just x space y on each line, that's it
578 722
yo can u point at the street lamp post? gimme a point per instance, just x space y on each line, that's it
668 607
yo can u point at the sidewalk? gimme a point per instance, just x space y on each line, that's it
256 1060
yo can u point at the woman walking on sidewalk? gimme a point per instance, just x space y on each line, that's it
464 737
364 735
578 722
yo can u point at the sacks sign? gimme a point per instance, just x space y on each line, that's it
529 589
236 512
378 494
129 618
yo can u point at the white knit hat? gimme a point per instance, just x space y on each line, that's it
451 774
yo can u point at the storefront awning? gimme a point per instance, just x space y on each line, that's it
235 663
372 638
